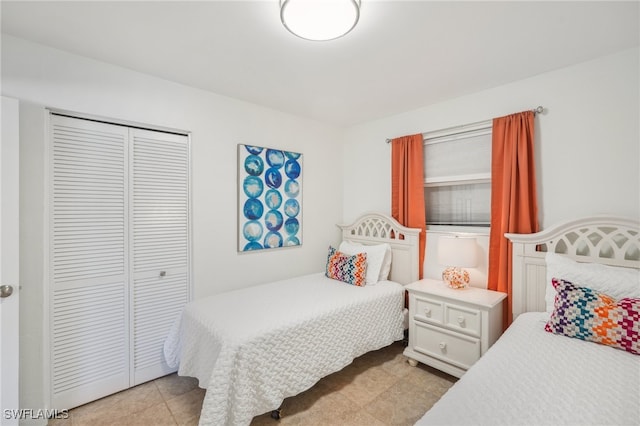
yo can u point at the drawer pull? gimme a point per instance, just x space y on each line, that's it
443 345
427 312
163 273
461 320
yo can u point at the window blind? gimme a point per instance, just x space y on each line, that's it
458 177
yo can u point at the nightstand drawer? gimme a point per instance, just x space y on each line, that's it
451 347
429 310
467 320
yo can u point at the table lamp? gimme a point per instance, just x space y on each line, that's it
455 253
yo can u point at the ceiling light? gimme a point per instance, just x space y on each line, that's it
319 19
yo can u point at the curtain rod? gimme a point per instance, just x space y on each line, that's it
538 110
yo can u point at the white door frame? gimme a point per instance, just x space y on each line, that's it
9 262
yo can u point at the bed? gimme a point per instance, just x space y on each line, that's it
253 347
531 376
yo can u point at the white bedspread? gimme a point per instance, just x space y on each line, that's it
253 347
531 377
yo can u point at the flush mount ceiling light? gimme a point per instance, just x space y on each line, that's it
319 20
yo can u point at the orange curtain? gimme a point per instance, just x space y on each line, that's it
514 206
407 186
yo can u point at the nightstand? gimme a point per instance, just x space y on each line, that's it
451 329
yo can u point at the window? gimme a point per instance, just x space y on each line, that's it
457 185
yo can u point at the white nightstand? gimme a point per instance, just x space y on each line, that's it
451 329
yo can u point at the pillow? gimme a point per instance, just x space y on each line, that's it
386 264
378 259
345 268
587 314
617 282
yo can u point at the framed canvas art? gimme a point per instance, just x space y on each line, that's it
269 198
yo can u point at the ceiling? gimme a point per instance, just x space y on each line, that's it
402 55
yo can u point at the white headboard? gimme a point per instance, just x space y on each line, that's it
606 240
377 228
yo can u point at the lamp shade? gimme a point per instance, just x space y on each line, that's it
319 19
457 251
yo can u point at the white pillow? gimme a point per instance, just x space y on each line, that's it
386 264
378 262
616 282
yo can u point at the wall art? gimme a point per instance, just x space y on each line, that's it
269 198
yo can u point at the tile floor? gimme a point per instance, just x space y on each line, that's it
378 388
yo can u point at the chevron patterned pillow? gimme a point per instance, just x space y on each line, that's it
349 269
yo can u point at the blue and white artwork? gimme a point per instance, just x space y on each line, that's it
269 198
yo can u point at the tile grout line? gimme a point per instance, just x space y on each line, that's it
164 401
398 379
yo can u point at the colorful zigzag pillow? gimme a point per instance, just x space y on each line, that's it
349 269
586 314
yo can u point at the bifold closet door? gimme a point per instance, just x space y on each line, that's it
159 206
119 269
88 262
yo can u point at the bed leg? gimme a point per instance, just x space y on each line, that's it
412 362
275 414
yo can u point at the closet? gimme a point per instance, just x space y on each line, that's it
119 254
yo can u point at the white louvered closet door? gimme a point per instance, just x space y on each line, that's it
119 268
159 244
88 264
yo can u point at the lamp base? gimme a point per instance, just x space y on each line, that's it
455 277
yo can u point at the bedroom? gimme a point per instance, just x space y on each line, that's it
588 157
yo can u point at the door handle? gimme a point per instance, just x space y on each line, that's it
6 291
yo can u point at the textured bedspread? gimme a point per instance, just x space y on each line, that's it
252 348
531 377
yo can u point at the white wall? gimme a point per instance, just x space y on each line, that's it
587 141
43 77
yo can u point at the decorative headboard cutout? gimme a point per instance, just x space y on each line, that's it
603 242
378 226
